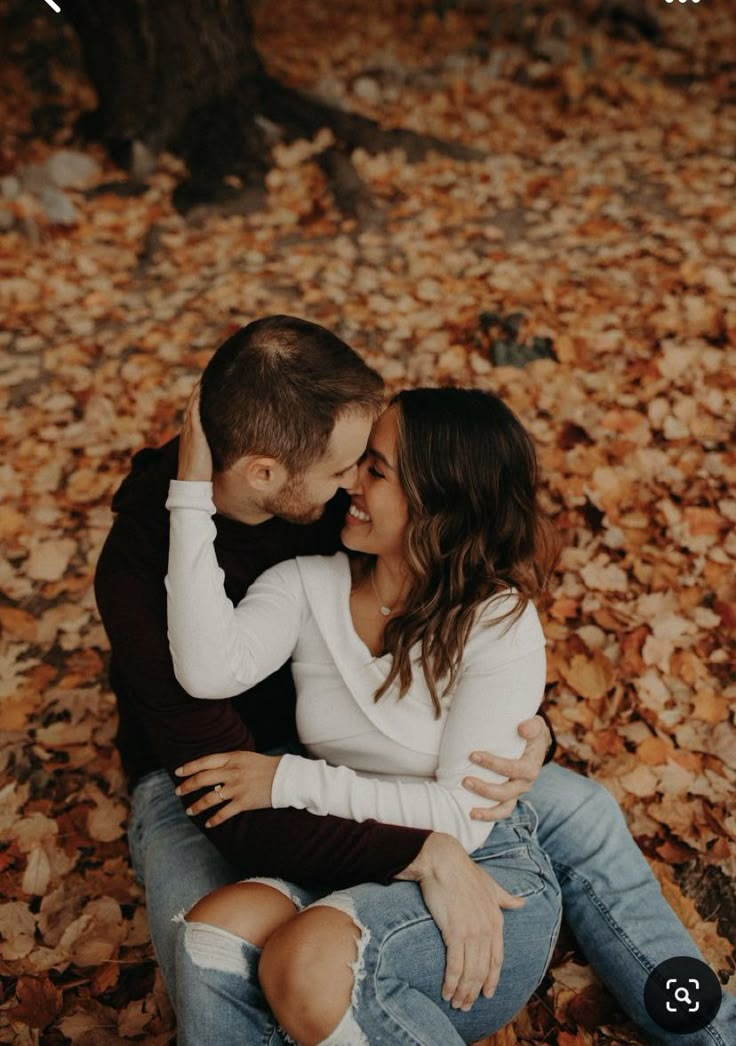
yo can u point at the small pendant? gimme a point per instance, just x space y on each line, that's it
385 611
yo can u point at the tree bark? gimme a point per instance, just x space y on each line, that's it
178 74
154 62
185 75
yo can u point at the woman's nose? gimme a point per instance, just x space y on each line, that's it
352 482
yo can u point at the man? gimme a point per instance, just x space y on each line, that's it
286 408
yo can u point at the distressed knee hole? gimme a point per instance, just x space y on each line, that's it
211 948
276 884
250 910
348 1032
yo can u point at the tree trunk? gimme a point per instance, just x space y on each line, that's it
177 74
154 62
185 75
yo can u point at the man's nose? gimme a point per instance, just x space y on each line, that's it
351 482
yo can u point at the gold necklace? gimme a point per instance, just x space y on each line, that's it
381 605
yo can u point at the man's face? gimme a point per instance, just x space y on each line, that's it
302 499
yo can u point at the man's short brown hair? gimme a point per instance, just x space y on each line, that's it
277 387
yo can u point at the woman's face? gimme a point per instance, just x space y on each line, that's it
378 514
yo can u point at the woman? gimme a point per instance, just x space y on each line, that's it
414 647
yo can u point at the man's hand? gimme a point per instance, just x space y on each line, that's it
466 904
521 773
195 459
235 781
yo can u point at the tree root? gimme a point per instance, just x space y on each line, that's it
211 149
302 114
351 194
226 137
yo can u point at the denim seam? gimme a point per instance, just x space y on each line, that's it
552 945
537 868
570 873
410 1037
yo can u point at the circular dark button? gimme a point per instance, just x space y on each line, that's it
682 995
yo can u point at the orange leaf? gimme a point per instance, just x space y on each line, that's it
703 520
654 751
589 677
711 707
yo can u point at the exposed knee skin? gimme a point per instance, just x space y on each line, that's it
305 972
253 911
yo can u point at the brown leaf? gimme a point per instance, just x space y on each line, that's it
33 830
592 1007
105 977
95 936
604 577
59 908
134 1019
701 521
19 623
640 781
653 751
674 853
49 560
563 608
105 821
505 1037
591 677
724 744
39 1002
17 929
94 1025
711 707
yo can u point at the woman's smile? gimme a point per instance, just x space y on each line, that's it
355 516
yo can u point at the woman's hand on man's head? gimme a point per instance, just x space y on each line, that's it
521 773
195 459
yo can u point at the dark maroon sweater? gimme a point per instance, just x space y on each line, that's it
161 726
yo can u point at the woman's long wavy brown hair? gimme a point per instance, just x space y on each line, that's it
469 471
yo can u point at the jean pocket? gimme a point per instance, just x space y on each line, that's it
516 869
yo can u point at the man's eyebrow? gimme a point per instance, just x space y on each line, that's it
381 457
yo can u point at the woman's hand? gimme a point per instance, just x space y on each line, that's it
195 459
236 781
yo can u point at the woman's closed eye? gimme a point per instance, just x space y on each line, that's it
374 472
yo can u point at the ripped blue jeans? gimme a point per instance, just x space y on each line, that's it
400 963
612 902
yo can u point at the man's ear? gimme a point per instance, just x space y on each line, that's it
263 474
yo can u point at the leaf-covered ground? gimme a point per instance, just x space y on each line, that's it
597 231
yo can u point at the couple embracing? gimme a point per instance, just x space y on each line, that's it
328 716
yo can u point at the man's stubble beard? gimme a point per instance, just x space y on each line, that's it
292 506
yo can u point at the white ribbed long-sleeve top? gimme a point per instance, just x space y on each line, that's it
390 759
